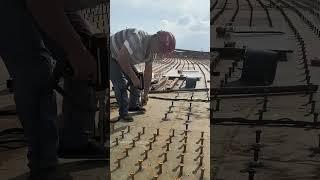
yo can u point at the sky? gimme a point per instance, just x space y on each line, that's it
188 20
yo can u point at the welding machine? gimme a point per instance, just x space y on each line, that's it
191 82
259 67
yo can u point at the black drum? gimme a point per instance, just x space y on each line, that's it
259 67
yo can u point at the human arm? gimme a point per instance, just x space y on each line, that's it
147 79
50 17
123 60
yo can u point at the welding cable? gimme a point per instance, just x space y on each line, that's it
12 148
179 90
281 122
174 99
259 95
11 131
3 83
237 124
5 92
258 32
12 140
7 112
236 12
4 140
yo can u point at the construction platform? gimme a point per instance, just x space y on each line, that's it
171 139
266 136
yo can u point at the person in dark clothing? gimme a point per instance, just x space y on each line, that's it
34 32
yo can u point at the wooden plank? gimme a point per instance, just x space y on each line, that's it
173 83
162 82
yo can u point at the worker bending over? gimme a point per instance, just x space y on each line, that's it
128 48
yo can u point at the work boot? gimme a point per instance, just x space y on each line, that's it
126 118
92 150
137 108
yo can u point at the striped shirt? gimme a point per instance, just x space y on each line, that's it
135 41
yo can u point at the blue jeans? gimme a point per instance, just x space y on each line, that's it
28 62
119 81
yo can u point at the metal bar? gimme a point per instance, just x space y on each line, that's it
263 89
259 95
279 123
186 50
219 13
238 52
179 90
251 11
236 12
263 32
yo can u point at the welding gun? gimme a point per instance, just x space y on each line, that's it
140 76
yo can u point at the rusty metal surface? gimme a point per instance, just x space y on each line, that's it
284 152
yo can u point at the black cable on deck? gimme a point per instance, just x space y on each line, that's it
236 12
251 11
267 12
219 13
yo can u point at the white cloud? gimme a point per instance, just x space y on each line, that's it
196 7
185 20
188 20
164 24
188 30
186 25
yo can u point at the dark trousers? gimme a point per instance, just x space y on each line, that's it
119 81
23 51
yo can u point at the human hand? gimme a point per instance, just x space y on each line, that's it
144 99
136 82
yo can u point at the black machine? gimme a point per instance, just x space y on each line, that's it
259 68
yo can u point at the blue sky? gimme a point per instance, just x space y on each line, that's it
188 20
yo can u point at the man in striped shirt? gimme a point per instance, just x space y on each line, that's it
130 47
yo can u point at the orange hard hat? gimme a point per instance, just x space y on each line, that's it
167 42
